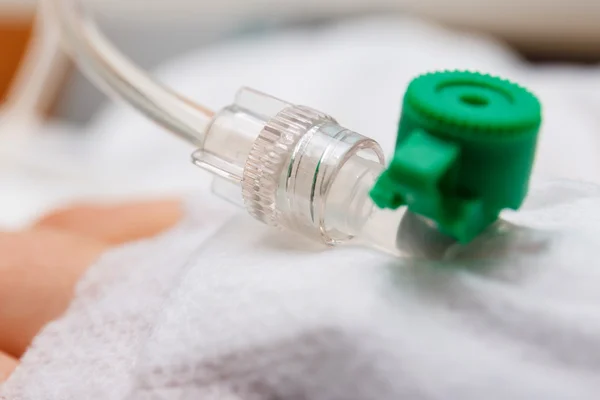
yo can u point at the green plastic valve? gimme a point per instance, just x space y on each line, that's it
465 150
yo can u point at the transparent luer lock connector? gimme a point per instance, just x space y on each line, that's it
294 167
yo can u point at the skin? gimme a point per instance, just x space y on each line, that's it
40 266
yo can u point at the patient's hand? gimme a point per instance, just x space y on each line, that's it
40 266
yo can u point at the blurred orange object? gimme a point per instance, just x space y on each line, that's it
17 35
16 28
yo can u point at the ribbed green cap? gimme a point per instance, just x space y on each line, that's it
465 150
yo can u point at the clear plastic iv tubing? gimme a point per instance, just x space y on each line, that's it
288 165
115 73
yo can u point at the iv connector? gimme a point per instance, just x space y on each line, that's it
295 167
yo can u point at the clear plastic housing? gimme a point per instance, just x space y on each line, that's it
296 167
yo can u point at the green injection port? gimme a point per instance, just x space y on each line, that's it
465 150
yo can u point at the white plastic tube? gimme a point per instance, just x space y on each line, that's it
113 72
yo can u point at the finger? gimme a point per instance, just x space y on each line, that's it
7 366
117 224
38 272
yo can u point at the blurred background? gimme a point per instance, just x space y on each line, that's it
151 31
82 146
